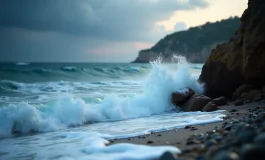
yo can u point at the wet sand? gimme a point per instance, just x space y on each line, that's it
179 137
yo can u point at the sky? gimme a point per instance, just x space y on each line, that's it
98 30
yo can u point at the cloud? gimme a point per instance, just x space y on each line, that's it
32 46
180 26
122 20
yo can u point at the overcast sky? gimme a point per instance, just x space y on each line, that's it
98 30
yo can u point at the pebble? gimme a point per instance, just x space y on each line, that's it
226 155
260 139
193 128
242 139
253 152
210 143
167 156
193 141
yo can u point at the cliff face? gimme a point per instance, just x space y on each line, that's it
195 44
242 59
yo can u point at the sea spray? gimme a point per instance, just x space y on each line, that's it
71 110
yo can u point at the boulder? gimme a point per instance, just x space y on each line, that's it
220 101
195 103
238 102
263 90
254 95
167 156
211 106
242 90
249 93
241 60
181 96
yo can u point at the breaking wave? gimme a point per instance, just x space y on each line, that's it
72 110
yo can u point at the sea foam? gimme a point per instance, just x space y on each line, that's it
69 110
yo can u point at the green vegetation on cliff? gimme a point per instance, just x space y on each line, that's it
194 43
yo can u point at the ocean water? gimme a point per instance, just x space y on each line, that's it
70 111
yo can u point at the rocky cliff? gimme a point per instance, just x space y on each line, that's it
195 44
242 59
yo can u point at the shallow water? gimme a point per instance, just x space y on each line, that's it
74 108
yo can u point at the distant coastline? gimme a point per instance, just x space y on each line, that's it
195 44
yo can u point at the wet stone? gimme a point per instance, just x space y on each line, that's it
150 142
186 150
193 128
200 136
246 135
192 141
260 139
228 127
210 143
201 157
167 156
253 152
226 155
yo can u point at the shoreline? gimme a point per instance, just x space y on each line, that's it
180 137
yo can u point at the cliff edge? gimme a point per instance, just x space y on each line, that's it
195 43
242 59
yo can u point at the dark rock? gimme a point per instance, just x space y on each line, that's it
241 60
253 152
210 143
186 150
260 139
238 102
233 110
246 134
167 156
181 96
150 142
253 95
263 90
226 155
188 127
220 101
193 141
201 157
195 103
241 90
210 107
193 128
200 136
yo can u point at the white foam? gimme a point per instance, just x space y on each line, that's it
69 68
77 146
68 110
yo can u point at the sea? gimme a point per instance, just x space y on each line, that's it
70 111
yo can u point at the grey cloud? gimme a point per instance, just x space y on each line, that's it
32 46
108 19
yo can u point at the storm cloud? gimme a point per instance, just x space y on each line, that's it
75 20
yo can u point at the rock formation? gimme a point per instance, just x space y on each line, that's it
195 43
242 59
187 100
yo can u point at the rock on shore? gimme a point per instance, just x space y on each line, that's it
187 100
242 59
